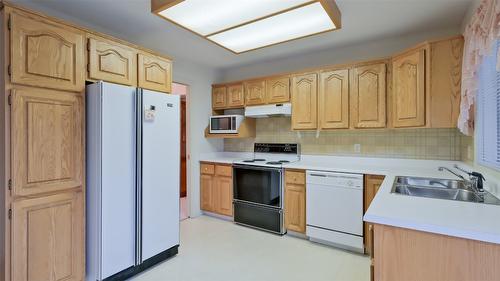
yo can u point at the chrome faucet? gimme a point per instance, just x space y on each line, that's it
457 175
475 180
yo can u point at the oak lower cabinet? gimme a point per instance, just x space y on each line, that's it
368 96
408 108
48 238
216 188
411 255
111 61
45 54
333 99
372 185
304 88
295 200
154 73
255 92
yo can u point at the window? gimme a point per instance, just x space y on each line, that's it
488 112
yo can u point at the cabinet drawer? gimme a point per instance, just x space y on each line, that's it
207 169
226 171
295 177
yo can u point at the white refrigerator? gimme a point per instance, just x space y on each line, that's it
133 162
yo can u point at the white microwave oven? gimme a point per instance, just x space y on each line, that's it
225 124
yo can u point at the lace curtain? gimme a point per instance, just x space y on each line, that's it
482 30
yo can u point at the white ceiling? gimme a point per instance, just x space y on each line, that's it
362 21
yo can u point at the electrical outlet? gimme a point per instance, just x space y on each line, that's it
357 147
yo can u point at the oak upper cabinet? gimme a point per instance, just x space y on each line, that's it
408 86
154 73
47 238
333 99
295 201
368 96
219 97
111 61
46 54
255 92
278 90
304 97
46 136
235 96
372 185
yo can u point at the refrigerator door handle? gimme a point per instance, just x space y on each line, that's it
138 215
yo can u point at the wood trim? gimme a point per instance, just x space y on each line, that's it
160 5
333 12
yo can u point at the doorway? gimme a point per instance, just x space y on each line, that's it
182 90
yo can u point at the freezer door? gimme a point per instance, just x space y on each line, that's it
160 172
118 178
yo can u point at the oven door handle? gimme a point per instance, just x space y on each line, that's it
250 167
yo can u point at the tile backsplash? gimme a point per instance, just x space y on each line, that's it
442 144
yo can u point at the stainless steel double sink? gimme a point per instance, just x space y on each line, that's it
457 190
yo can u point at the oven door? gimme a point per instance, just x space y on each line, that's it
257 185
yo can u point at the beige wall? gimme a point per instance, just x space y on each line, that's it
443 144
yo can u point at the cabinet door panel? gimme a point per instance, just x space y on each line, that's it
372 185
304 95
47 238
112 62
295 207
46 54
155 73
368 96
409 90
278 90
225 196
219 97
255 92
206 190
333 104
235 96
47 131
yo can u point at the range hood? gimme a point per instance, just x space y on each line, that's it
262 111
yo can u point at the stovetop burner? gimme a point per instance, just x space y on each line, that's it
279 162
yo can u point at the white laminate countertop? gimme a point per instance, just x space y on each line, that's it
460 219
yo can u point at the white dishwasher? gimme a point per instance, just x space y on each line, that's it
334 209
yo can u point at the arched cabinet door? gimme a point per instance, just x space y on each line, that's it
46 54
155 73
304 96
278 90
409 89
255 92
333 102
112 62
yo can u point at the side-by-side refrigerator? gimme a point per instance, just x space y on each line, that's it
133 162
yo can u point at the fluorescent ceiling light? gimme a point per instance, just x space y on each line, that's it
294 24
244 25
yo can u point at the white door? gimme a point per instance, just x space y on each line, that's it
118 178
160 172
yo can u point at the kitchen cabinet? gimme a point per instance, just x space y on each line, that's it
235 96
48 238
295 201
216 188
219 97
372 185
304 96
278 90
368 96
255 92
333 99
47 136
46 54
154 73
409 89
405 254
111 61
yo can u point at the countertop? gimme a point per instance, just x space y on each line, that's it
459 219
